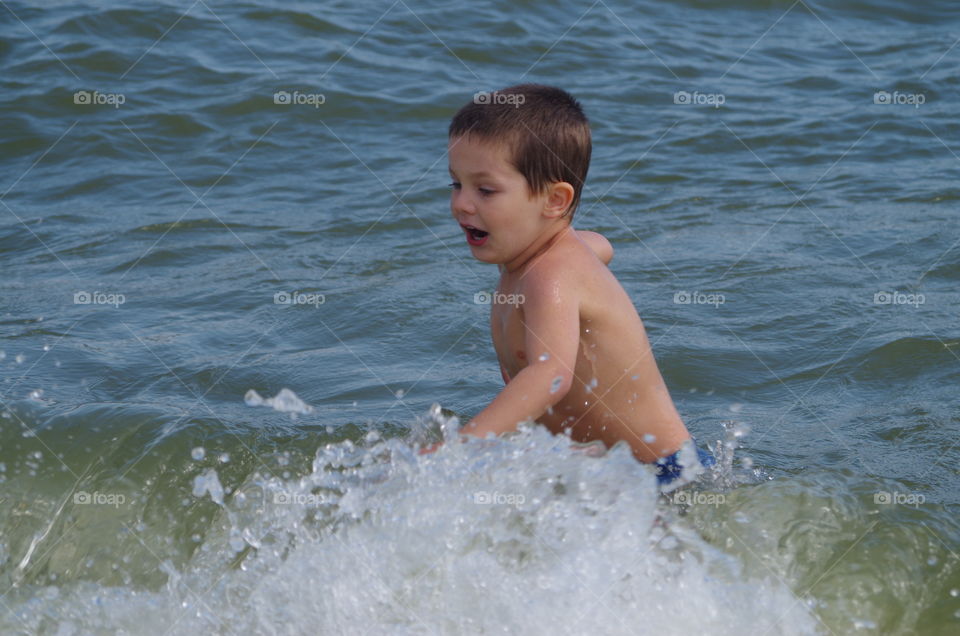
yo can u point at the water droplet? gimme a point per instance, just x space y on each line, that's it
549 410
747 462
586 331
354 404
954 592
36 394
198 453
46 347
544 357
399 394
635 377
224 458
20 358
3 354
736 407
590 387
932 561
649 439
555 385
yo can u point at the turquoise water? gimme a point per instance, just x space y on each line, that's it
778 179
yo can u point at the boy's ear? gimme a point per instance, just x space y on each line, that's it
559 198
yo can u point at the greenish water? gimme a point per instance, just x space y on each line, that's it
778 179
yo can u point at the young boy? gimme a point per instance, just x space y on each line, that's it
573 352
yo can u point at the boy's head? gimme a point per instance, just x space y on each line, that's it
543 129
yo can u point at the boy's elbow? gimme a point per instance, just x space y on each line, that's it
606 252
599 245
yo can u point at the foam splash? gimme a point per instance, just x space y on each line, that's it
527 534
286 401
208 483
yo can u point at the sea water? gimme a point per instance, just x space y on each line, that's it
207 202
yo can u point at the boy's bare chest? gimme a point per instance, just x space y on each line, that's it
506 328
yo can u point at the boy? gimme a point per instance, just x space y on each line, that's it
573 352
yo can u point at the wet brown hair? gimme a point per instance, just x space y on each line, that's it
544 128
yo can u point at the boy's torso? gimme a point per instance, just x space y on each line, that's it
617 392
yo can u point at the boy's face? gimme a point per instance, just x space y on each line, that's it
491 201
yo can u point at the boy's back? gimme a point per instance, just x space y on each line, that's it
617 391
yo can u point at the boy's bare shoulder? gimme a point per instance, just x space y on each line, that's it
568 262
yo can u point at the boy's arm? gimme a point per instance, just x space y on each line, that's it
551 340
598 244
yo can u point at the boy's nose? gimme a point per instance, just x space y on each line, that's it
460 203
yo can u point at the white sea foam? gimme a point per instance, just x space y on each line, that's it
286 401
524 535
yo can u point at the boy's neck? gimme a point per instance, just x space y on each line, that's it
538 248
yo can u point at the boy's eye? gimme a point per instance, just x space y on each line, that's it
455 185
486 191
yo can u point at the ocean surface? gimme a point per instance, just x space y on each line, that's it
232 294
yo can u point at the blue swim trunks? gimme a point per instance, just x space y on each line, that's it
669 469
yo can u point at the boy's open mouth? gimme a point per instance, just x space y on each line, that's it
474 235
